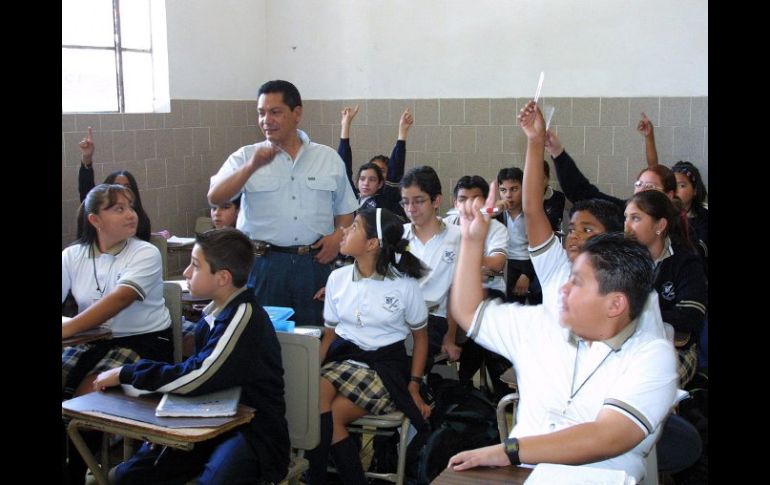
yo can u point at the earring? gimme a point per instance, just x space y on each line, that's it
657 232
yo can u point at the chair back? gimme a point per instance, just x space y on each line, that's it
301 376
172 294
160 243
203 224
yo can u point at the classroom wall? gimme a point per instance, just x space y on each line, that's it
344 49
464 74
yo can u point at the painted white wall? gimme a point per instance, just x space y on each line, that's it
438 48
216 48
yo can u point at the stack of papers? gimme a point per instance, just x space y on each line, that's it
220 403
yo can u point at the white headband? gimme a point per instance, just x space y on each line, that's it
379 225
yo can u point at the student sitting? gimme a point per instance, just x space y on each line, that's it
235 345
370 308
225 215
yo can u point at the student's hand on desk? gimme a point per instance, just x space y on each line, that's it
330 247
108 378
488 456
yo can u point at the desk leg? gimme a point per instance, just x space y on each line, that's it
74 433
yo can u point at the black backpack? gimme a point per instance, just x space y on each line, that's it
463 418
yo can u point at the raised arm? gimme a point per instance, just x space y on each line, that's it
223 189
575 185
397 159
86 172
647 130
344 150
467 292
538 226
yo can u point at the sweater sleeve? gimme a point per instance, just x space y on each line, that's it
575 185
85 180
346 153
691 297
397 162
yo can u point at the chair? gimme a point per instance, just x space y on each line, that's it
386 425
172 294
203 224
160 243
302 376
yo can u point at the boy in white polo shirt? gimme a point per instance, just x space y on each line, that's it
436 244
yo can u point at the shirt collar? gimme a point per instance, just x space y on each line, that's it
668 251
357 276
212 312
113 251
615 342
409 234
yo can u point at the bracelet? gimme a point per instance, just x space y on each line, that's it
416 379
511 447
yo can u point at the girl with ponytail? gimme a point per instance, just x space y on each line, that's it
370 308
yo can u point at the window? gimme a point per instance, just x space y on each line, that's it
114 56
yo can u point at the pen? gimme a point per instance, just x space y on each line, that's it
489 210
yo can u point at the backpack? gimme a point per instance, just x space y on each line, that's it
463 418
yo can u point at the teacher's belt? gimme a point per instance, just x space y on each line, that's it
261 248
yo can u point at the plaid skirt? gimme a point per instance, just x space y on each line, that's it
115 357
688 364
359 384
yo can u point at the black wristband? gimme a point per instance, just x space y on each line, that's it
416 379
511 447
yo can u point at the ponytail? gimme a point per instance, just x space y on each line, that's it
388 229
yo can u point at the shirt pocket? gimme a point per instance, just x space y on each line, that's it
321 192
262 184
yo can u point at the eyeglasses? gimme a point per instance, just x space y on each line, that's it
415 201
647 185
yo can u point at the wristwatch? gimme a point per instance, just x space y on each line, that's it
511 447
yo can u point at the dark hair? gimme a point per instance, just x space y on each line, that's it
236 202
692 173
101 197
424 177
622 265
658 206
143 229
609 214
512 173
371 166
471 182
228 249
380 158
392 229
665 174
291 97
546 169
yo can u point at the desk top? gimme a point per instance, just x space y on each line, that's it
96 333
512 475
118 411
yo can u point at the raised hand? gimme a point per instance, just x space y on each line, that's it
531 121
346 119
473 224
645 126
553 144
404 124
87 148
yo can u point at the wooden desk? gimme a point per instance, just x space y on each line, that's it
96 333
512 475
134 417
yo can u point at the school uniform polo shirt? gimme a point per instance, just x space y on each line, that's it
439 254
292 202
495 243
517 237
373 312
563 381
137 265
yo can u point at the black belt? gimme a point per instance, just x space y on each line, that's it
262 247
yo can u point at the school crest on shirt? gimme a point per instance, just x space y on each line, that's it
390 303
667 291
449 256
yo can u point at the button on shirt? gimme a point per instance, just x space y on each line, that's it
292 202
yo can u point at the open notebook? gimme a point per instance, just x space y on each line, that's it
220 403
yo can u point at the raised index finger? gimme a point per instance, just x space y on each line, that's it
90 136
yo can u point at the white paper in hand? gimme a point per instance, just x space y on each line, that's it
539 86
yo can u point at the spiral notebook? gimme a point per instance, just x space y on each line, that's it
220 403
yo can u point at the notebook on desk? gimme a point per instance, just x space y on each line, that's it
220 403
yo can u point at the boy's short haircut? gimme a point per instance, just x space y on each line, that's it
425 178
512 173
610 215
228 249
469 182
